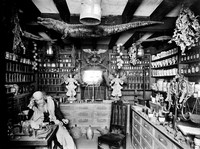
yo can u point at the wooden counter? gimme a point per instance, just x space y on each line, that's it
147 135
84 114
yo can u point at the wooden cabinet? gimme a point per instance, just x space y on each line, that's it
146 135
85 114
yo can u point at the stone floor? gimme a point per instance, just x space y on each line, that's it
84 143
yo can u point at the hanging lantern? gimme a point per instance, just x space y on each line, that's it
49 50
90 12
140 51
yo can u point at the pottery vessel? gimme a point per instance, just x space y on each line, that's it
89 133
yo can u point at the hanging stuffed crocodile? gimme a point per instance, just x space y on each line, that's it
84 31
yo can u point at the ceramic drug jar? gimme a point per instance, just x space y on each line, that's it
89 133
76 132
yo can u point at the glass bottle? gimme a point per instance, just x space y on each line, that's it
193 68
197 54
197 68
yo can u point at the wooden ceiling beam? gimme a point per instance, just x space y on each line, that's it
127 15
164 8
130 9
63 9
27 6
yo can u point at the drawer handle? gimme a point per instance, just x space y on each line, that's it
135 144
161 140
135 134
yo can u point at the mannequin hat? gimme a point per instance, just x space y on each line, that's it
37 95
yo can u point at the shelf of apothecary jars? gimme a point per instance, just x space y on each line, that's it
163 76
192 61
168 66
164 54
192 75
52 88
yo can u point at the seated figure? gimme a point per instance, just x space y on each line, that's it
43 110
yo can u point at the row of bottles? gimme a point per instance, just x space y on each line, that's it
22 88
12 77
137 86
166 62
164 54
164 72
17 58
49 81
54 88
17 67
191 69
192 55
55 65
53 70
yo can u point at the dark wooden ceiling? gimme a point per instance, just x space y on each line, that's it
29 13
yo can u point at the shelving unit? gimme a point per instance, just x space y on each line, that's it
50 72
19 80
135 73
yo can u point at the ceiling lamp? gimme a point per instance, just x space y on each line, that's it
49 49
90 12
140 51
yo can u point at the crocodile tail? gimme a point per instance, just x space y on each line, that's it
108 30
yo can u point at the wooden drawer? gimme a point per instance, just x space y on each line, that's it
145 145
147 137
135 143
158 145
136 135
136 125
137 117
163 140
147 126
